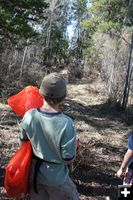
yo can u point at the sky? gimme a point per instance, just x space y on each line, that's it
70 31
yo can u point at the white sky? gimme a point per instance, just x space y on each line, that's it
70 31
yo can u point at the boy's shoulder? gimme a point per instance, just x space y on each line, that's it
30 112
130 136
33 110
67 118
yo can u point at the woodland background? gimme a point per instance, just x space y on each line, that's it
34 41
96 58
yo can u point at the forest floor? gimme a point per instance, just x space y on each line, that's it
103 136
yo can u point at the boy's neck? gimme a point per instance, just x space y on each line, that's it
48 108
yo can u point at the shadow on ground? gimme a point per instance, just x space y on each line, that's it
94 175
96 114
98 183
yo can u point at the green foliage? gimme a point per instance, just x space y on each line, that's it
111 14
91 24
79 8
109 20
53 39
18 17
107 16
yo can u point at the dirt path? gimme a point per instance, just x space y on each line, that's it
102 132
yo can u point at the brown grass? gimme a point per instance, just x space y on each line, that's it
103 136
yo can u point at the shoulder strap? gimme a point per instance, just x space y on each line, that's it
36 169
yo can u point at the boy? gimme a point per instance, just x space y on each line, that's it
53 138
126 169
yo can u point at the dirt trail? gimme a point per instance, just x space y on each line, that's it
102 132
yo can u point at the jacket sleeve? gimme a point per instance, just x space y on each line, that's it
23 136
24 127
68 142
130 140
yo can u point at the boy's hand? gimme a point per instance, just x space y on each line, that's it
121 173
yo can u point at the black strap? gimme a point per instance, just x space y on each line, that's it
36 169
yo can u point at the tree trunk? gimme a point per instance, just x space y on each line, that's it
128 77
22 64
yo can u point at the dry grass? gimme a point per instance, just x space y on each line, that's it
103 136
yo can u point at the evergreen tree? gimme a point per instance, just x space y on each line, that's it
54 32
79 9
110 14
112 17
18 17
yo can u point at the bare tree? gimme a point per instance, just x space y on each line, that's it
128 76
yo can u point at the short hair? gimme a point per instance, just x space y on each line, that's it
54 101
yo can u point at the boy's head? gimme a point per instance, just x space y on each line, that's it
53 88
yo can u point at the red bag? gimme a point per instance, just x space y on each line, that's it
16 180
26 99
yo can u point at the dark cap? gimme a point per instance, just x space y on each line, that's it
53 86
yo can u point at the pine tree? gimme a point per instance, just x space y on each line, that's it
79 8
54 34
112 17
18 17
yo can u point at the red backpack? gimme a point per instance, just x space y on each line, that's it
26 99
17 172
16 180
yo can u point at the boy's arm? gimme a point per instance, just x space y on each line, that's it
128 155
69 144
24 127
22 137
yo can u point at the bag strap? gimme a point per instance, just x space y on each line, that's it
36 169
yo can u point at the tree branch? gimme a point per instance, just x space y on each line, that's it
119 36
